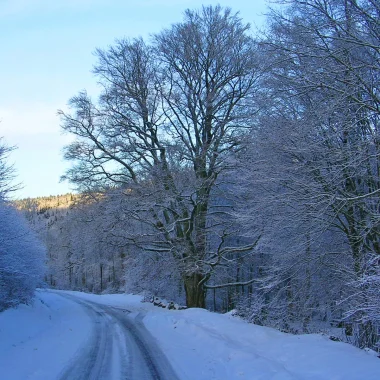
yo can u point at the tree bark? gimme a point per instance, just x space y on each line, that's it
195 291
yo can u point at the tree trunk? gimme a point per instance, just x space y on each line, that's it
101 277
195 291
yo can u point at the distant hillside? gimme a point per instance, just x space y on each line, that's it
40 205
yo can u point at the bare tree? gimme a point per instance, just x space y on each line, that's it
168 119
7 173
316 154
21 254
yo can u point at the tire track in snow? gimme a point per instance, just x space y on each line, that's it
119 348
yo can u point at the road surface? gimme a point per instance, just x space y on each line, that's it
120 347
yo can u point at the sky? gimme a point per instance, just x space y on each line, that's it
46 58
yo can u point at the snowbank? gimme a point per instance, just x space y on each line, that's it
37 341
206 346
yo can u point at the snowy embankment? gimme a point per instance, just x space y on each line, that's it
37 341
212 346
200 345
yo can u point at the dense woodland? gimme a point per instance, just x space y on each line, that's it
231 169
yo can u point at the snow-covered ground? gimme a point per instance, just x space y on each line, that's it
37 341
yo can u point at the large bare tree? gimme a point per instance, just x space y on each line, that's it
169 118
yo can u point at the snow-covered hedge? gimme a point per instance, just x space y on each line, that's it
22 258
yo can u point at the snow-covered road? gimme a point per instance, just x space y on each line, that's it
120 347
68 338
72 335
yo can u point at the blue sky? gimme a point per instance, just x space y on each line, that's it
46 58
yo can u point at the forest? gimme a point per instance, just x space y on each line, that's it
230 169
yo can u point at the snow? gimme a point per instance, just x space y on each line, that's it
199 344
211 346
37 341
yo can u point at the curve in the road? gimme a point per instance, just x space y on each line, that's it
119 348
